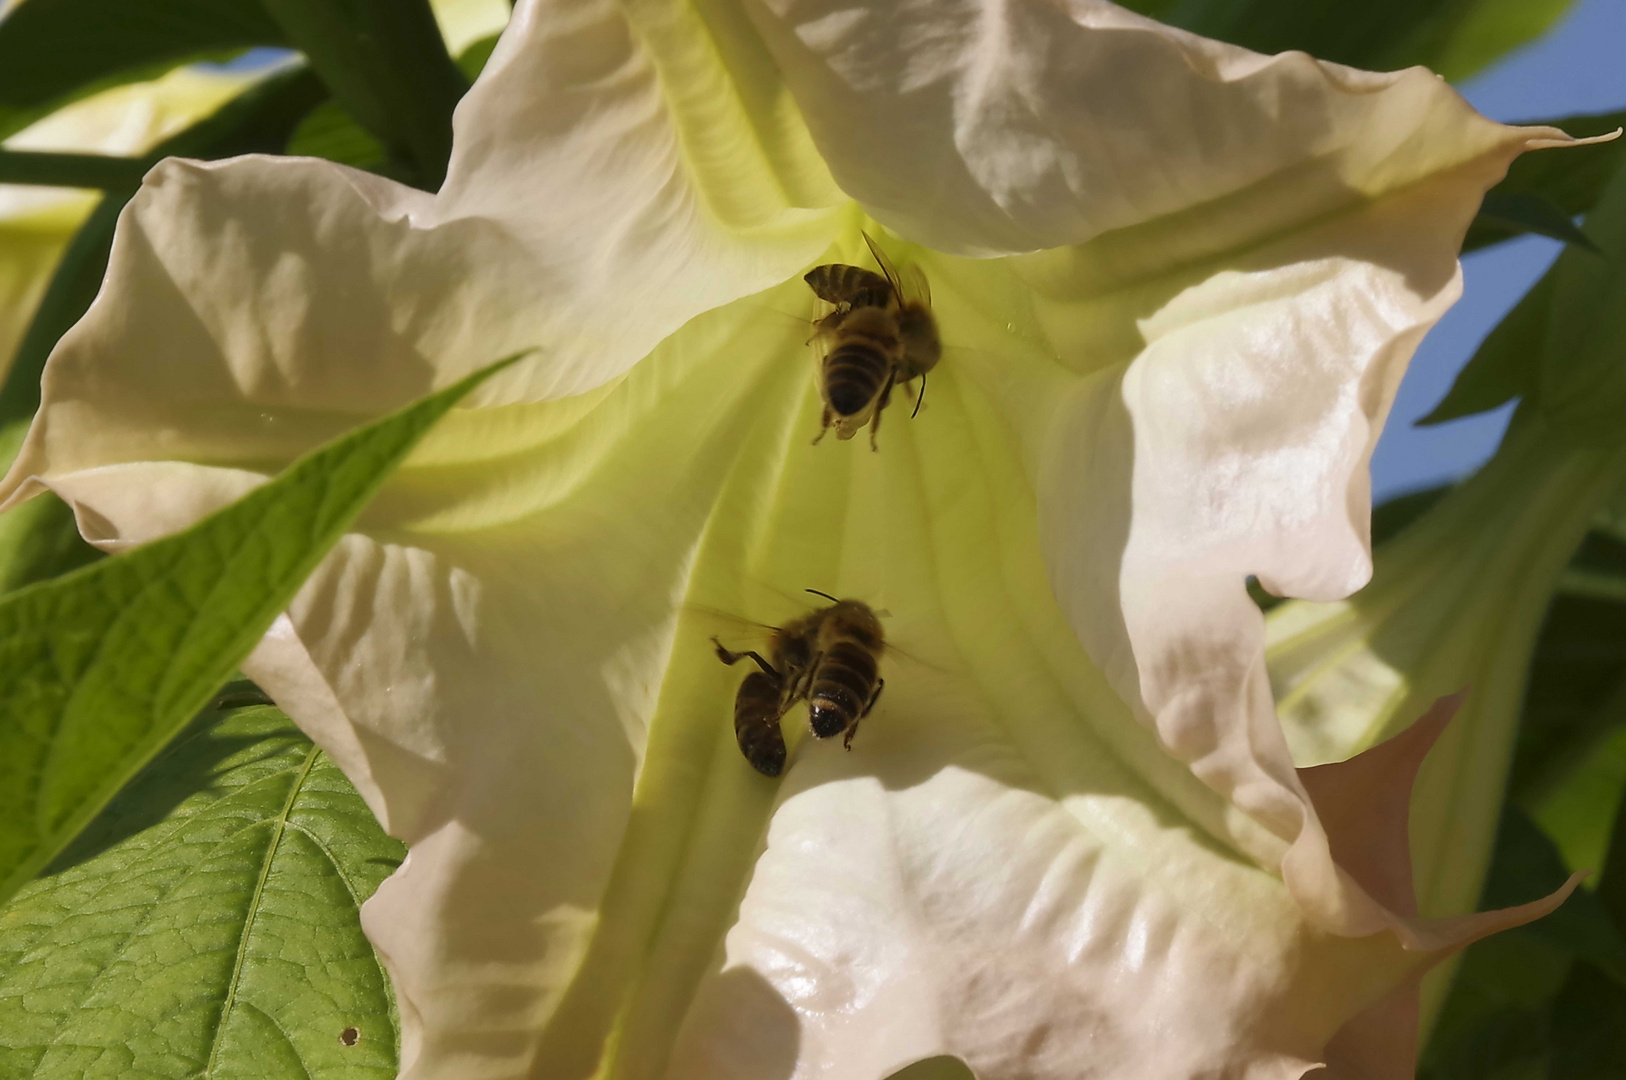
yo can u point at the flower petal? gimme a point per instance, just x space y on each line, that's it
595 151
1235 443
998 128
1457 601
495 659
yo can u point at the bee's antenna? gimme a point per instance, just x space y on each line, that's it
920 397
826 595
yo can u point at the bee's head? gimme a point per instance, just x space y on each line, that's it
860 620
917 332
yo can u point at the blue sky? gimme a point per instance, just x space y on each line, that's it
1575 69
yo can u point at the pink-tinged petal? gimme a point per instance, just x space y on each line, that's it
1365 805
1235 443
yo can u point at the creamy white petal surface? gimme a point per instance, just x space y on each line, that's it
1070 841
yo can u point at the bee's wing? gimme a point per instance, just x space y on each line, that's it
913 287
885 264
734 631
835 283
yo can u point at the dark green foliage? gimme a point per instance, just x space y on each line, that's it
206 923
386 65
1530 212
1578 668
1569 180
1506 1000
55 51
1559 350
1588 1027
1507 363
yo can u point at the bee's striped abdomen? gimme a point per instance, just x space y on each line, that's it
854 373
757 708
838 283
843 686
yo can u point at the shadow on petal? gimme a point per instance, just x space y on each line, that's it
739 1026
944 1067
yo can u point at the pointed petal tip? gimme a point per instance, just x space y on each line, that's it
1364 804
1559 138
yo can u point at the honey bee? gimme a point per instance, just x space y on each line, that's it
830 658
881 333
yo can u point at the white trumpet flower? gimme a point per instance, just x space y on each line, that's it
1176 283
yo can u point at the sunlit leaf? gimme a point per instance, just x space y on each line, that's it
99 669
385 62
206 923
330 132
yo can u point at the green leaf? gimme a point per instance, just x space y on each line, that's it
1526 211
472 60
1612 882
1454 37
1578 812
1505 365
1589 1027
103 171
1495 1013
1582 387
206 923
330 132
73 286
386 64
259 119
54 51
1577 672
1563 347
1527 866
1392 516
100 668
38 540
1571 179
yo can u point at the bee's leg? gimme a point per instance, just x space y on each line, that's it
803 686
824 426
732 658
880 684
847 742
880 407
920 398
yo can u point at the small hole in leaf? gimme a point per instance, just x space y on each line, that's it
350 1036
